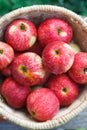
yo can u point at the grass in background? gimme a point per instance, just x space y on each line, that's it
78 6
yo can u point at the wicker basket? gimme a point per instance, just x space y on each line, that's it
38 13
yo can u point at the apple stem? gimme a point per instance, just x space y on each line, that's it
64 90
23 27
85 70
33 113
1 51
56 52
59 31
24 69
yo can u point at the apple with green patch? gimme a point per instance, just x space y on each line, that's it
27 69
58 57
78 71
54 29
21 34
6 54
7 70
65 89
42 104
14 93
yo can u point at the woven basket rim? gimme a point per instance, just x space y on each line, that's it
45 8
55 122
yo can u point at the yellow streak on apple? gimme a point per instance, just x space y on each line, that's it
27 74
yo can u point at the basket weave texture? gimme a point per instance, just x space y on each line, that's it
37 14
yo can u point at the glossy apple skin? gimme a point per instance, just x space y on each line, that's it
54 29
42 104
65 89
27 69
14 93
6 54
7 70
21 34
58 57
78 71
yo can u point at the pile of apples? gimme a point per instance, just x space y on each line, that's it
43 72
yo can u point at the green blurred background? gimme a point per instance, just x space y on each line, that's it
78 6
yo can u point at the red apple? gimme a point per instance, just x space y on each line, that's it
65 89
7 70
54 29
58 57
42 104
14 93
78 71
27 69
6 55
21 34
